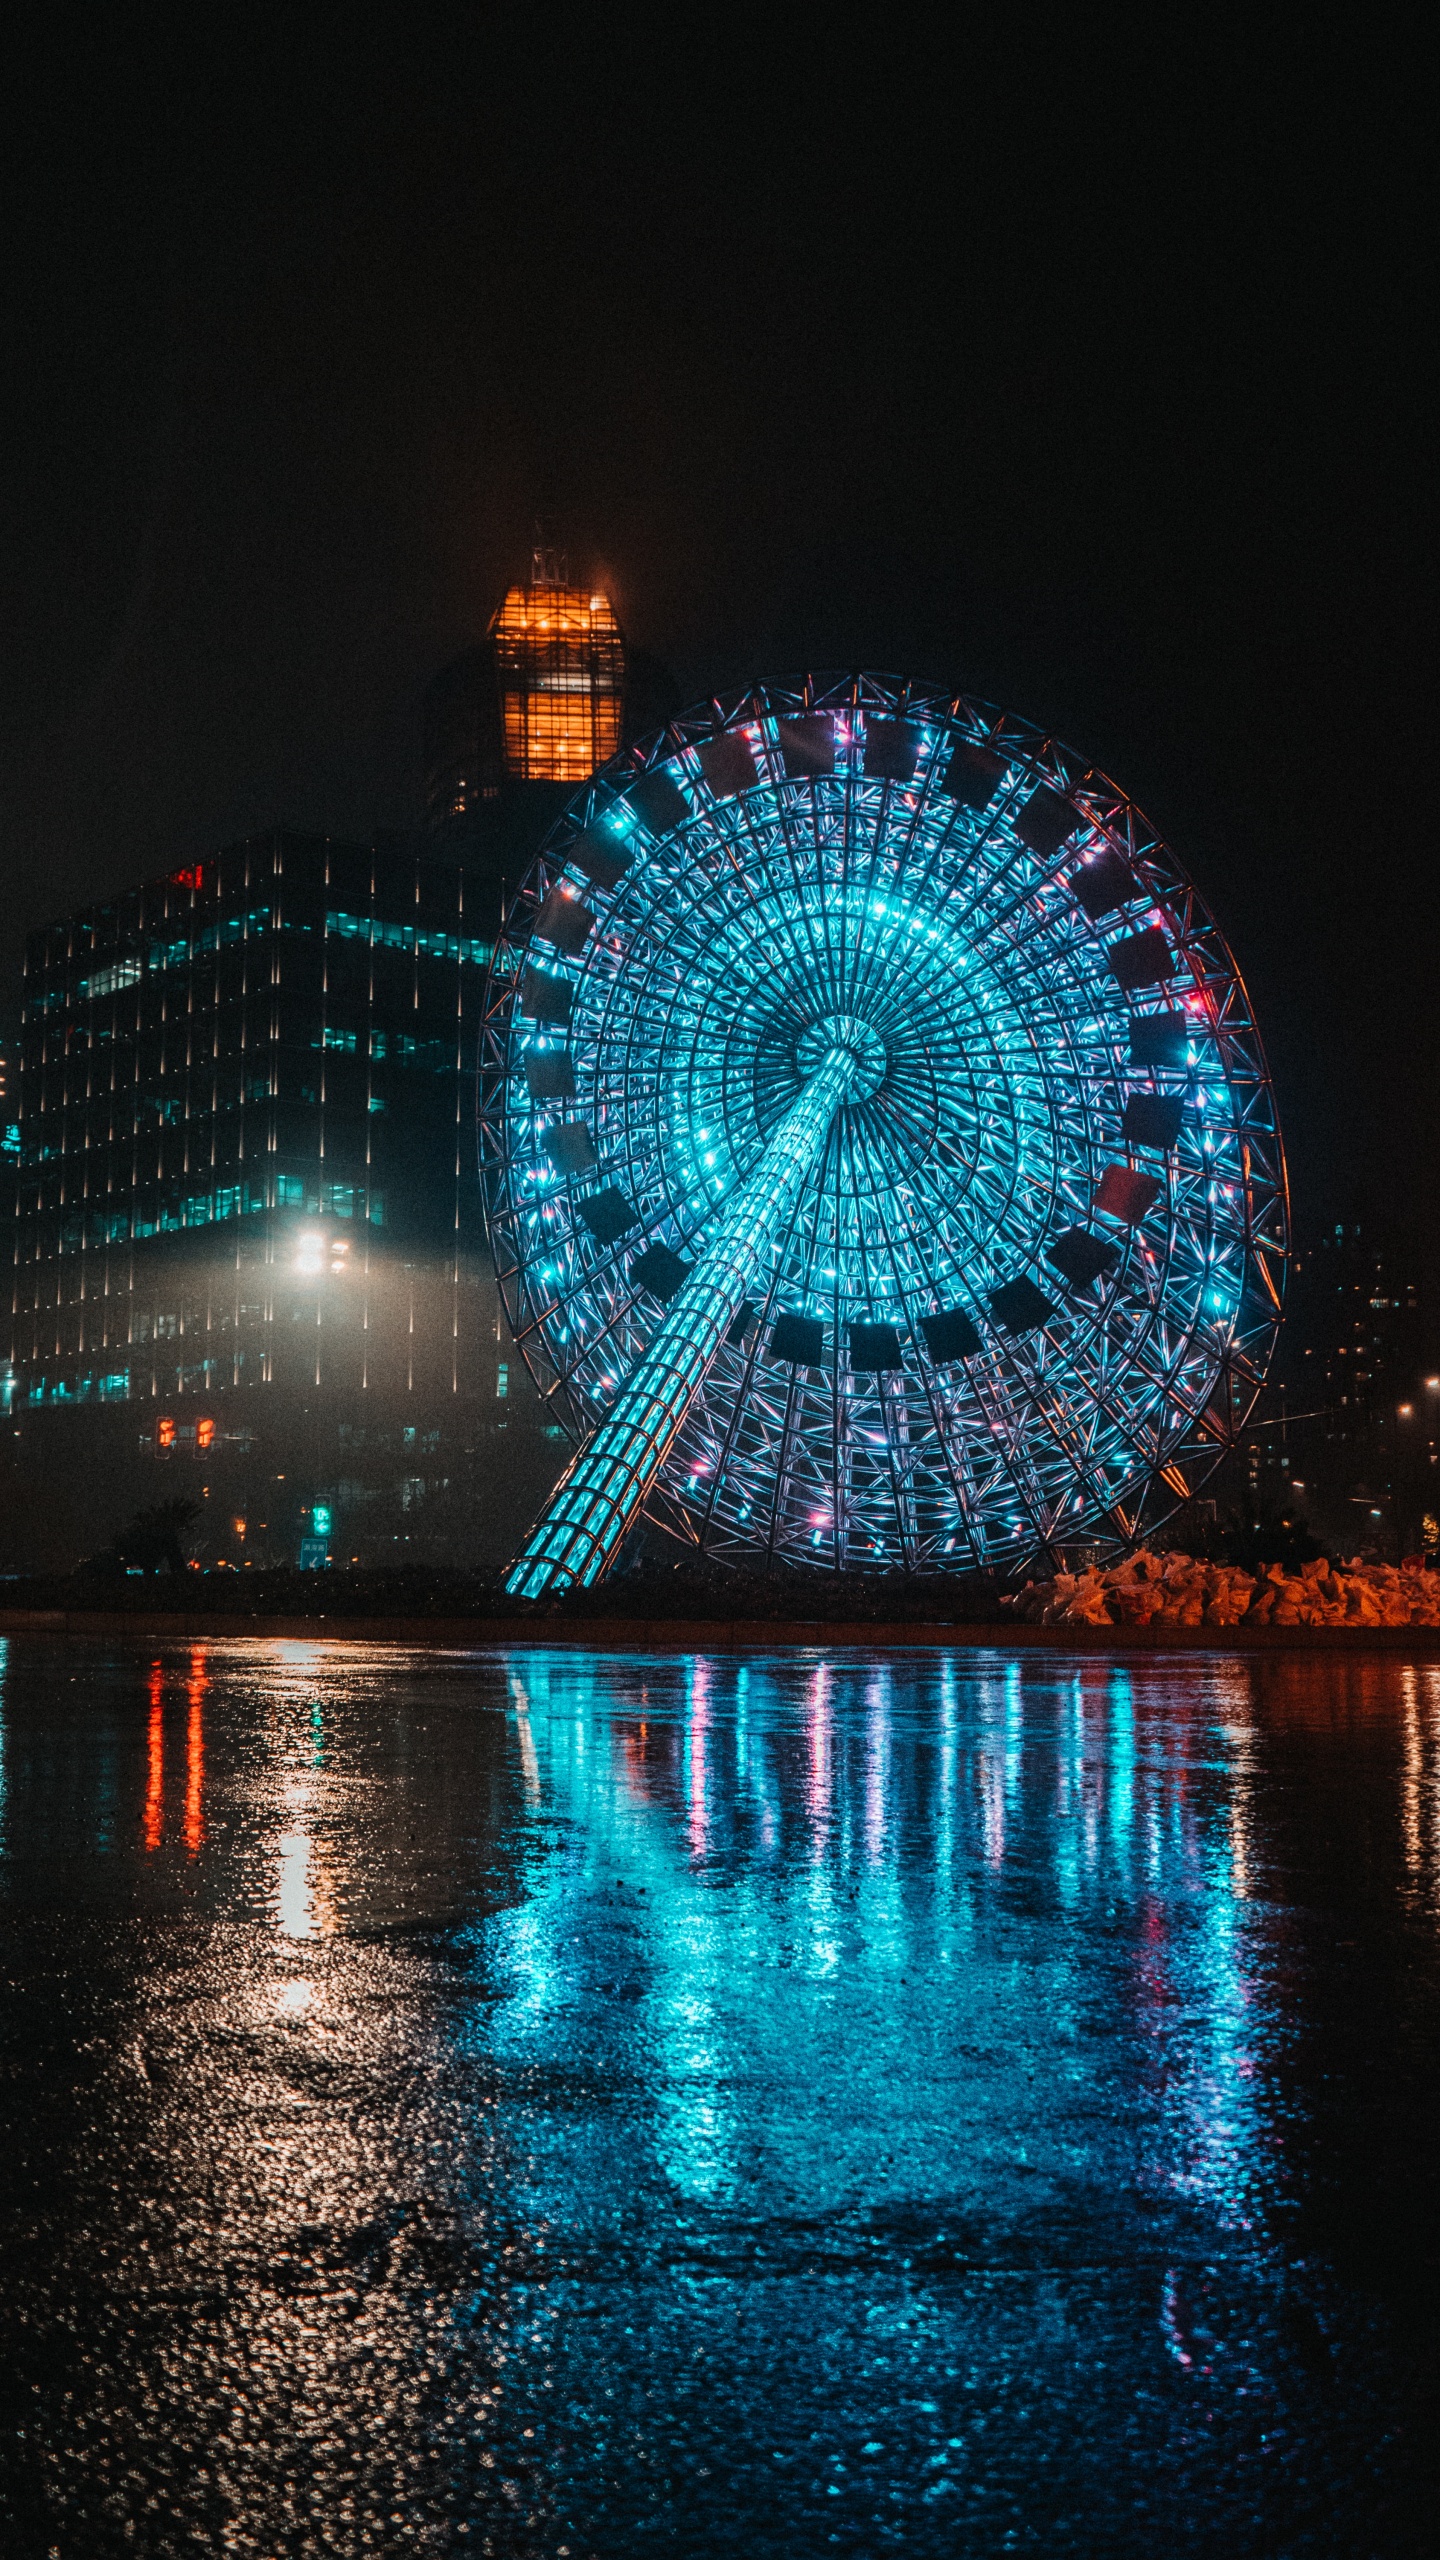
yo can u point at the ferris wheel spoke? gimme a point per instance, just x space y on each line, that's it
1063 1438
1025 1483
894 1408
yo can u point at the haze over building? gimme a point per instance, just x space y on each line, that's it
240 1153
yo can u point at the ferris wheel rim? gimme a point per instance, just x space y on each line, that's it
865 701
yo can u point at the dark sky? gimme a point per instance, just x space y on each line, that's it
1094 380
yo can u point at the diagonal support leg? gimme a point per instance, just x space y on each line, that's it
602 1492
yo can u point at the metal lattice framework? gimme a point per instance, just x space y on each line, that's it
1021 1293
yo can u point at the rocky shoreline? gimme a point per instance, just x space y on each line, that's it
1186 1591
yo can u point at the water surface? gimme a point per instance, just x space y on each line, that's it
575 2105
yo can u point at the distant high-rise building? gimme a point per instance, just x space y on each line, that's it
515 724
464 764
560 668
1349 1435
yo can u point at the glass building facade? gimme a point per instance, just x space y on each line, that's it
246 1213
246 1104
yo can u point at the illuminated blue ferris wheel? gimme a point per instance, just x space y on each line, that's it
881 1163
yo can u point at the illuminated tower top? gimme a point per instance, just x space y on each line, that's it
560 669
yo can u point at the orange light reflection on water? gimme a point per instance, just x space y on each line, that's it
155 1760
195 1689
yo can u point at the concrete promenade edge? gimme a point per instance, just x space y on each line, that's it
708 1635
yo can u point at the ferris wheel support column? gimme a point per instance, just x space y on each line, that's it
602 1491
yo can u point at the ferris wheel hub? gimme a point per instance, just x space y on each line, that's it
845 1031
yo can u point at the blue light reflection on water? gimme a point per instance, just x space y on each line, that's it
823 1889
918 1979
915 1979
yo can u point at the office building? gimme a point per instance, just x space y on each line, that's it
249 1225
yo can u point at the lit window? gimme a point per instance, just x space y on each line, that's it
108 982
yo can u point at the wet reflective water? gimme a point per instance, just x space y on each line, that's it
576 2105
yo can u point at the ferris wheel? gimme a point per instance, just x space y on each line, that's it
881 1164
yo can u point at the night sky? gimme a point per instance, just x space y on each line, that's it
1094 381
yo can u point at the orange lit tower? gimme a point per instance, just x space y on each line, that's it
512 726
560 670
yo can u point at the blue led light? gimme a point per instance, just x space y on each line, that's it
816 906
